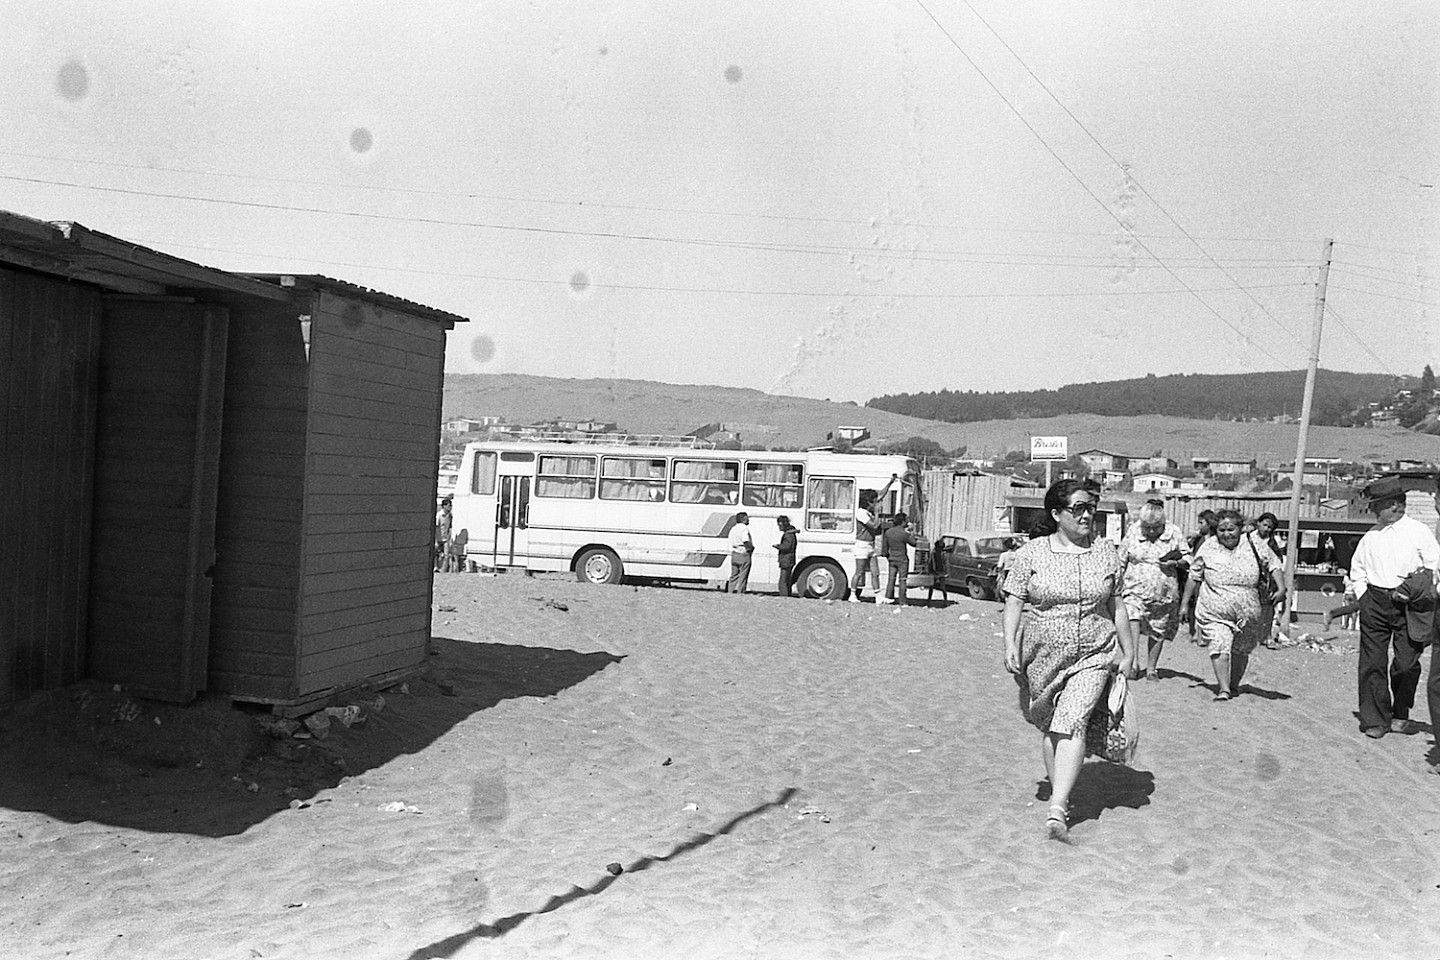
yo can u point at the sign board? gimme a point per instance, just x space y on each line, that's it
1049 448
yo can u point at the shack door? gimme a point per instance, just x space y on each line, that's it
157 440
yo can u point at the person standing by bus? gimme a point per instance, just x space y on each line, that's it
742 545
785 554
897 542
866 527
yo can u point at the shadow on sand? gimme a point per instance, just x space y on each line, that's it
449 946
1102 786
89 752
1107 786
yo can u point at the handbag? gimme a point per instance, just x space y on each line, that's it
1264 586
1113 732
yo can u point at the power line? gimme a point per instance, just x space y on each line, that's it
1366 246
1244 337
599 205
1358 339
1402 283
715 290
1140 186
939 255
1388 296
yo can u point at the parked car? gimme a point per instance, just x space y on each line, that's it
971 557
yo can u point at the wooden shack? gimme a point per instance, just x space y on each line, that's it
209 481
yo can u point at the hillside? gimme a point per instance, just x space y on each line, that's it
1202 396
644 406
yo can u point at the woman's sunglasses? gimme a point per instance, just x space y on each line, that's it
1081 508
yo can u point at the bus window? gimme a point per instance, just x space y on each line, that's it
831 505
706 481
483 482
570 477
774 485
622 478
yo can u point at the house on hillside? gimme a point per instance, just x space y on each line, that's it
1153 481
1099 461
461 426
1153 465
1225 466
213 481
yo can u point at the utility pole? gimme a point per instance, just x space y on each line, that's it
1292 541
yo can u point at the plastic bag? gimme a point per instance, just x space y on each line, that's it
1113 732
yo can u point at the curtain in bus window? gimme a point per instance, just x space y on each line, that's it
569 477
774 485
627 479
706 481
483 482
831 505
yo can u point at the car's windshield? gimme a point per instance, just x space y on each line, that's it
990 547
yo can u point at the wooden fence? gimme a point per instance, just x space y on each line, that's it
955 502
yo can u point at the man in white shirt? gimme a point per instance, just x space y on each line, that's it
741 547
1397 547
866 529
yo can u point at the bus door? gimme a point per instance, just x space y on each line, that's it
512 510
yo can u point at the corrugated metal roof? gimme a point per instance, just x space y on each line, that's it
318 282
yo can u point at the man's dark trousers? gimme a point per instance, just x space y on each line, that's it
1383 632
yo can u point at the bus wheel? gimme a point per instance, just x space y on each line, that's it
823 581
598 565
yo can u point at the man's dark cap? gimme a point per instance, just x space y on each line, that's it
1386 488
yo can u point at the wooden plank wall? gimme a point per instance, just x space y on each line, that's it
376 377
255 602
49 339
955 502
157 430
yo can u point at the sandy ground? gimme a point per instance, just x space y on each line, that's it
775 779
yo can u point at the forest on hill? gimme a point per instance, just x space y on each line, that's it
1232 396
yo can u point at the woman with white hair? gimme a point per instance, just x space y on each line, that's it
1150 589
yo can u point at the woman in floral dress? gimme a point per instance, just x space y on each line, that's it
1224 579
1151 551
1064 584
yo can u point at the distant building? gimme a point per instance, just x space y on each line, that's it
1101 460
1224 466
1192 485
852 434
459 426
1154 481
1153 465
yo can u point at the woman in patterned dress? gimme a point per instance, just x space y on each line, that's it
1151 552
1064 584
1224 579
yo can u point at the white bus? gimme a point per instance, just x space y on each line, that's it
664 513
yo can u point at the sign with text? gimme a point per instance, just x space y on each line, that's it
1049 448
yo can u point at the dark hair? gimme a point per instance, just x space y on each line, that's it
1058 498
1210 519
900 519
1268 516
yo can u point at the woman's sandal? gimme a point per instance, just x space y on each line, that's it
1224 695
1057 826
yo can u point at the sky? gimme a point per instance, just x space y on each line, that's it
830 199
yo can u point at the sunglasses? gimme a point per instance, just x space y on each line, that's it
1080 509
